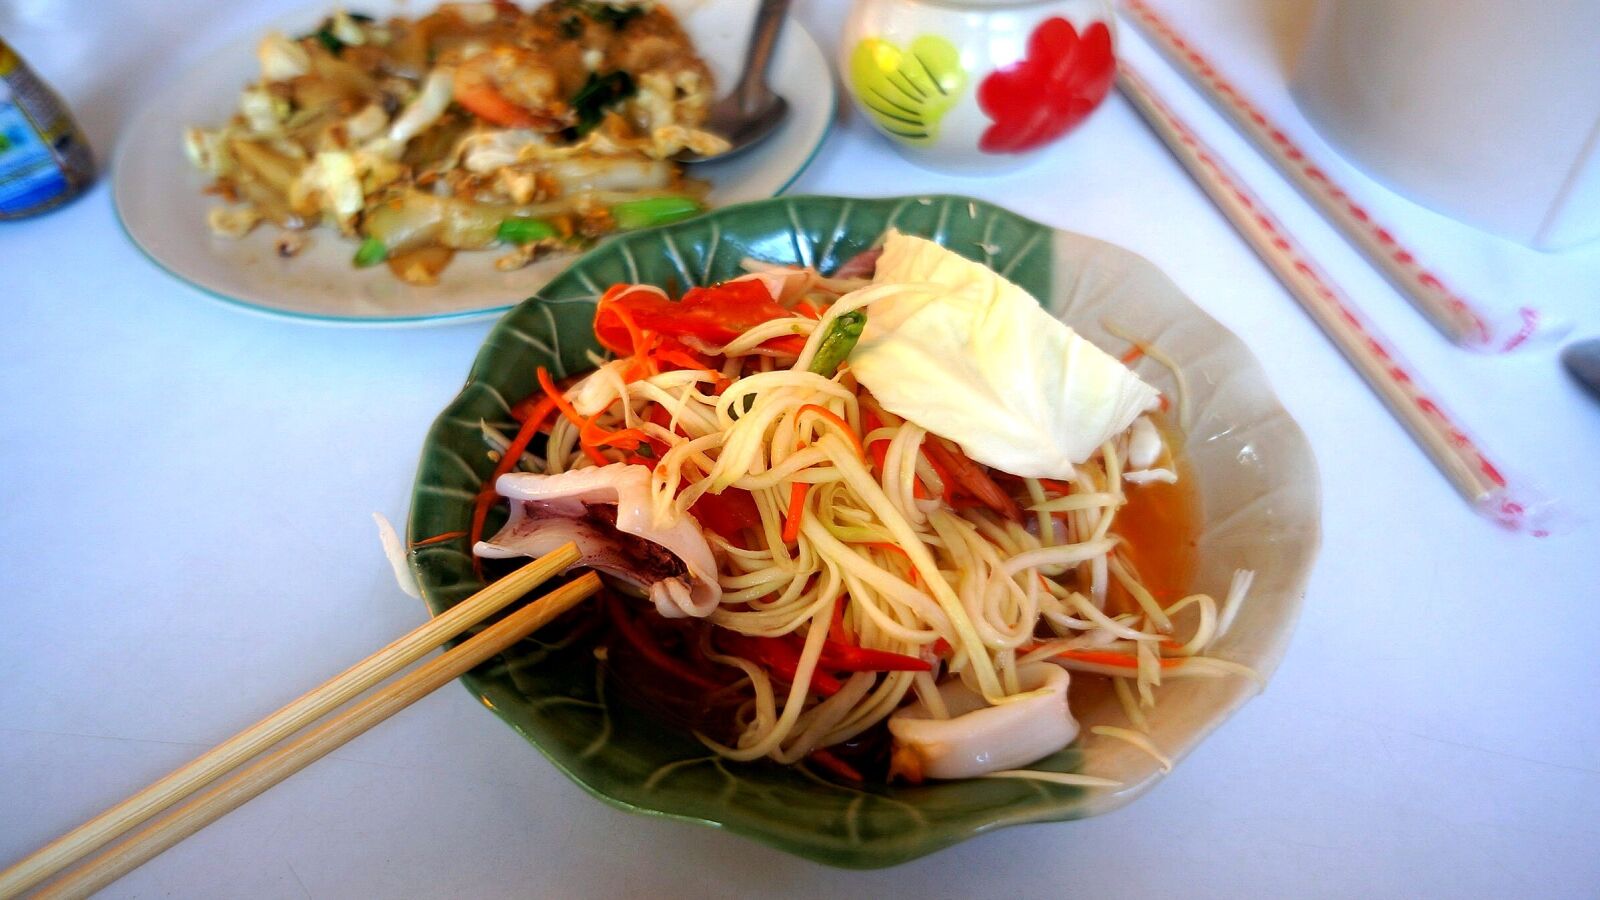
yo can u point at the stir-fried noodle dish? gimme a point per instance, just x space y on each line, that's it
876 521
476 126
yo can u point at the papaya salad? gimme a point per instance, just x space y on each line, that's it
477 126
877 521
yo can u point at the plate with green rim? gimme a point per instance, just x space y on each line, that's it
161 204
1255 474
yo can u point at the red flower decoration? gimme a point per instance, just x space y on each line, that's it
1049 91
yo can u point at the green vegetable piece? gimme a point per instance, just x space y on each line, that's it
370 253
328 39
617 15
525 230
838 342
653 211
599 93
735 412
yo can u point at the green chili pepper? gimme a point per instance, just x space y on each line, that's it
838 342
370 253
525 230
598 94
653 211
328 39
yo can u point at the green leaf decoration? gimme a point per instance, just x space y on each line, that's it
907 92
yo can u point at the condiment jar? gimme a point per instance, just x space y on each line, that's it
44 159
977 86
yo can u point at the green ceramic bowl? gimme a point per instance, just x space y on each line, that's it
1256 476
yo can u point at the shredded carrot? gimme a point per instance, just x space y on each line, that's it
1060 487
594 454
438 539
832 418
1133 354
508 460
636 335
525 407
519 444
888 547
560 399
563 404
1108 658
480 512
797 508
592 435
640 341
834 764
627 439
682 360
792 344
878 449
487 103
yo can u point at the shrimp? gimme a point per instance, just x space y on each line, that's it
511 87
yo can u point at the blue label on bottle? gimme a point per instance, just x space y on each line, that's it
30 175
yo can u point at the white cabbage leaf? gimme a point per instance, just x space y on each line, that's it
971 357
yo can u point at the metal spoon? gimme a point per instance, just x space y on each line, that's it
751 111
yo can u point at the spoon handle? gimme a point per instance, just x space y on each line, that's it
752 88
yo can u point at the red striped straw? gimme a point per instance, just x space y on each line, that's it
1455 453
1461 321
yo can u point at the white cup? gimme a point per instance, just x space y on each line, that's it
1485 110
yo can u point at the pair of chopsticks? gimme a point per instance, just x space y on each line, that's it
1456 317
1457 455
183 809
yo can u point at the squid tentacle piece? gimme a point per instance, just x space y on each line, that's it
606 511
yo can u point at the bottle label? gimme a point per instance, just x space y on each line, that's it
42 161
29 174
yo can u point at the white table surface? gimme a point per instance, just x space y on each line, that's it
186 543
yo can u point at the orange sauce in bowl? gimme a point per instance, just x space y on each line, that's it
1161 525
1160 528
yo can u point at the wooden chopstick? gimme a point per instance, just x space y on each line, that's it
1455 454
313 705
1456 317
183 821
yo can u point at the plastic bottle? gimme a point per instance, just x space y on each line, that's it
44 159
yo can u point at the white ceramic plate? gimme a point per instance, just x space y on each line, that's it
158 193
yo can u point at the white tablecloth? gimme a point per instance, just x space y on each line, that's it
185 543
